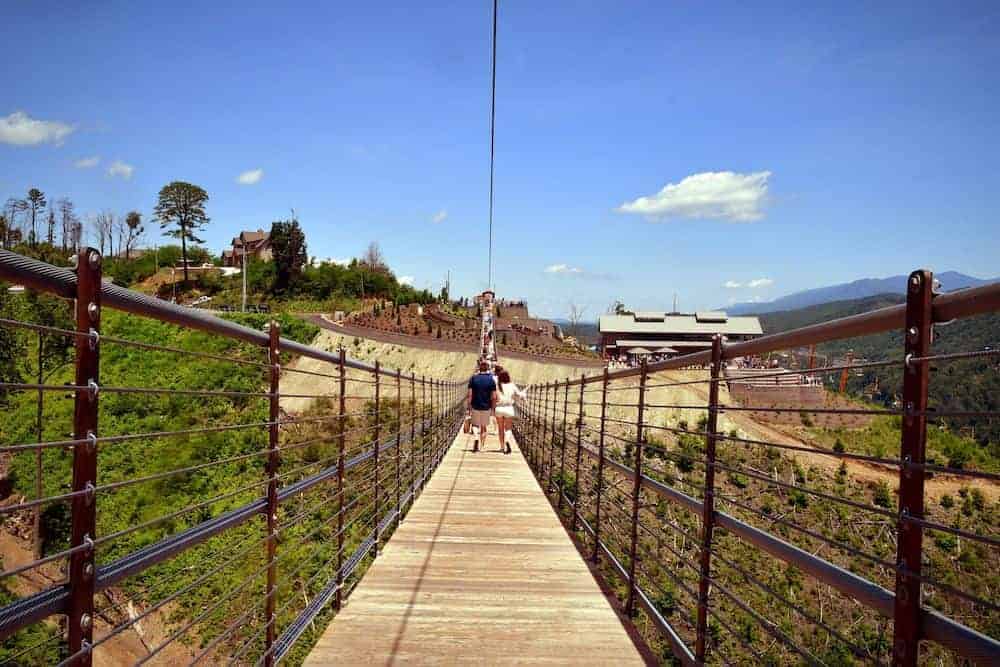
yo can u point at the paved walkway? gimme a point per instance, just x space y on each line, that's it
481 571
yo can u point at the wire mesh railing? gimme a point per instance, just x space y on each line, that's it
188 483
736 529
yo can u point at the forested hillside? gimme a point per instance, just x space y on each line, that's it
968 384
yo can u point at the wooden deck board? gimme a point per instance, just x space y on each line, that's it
480 571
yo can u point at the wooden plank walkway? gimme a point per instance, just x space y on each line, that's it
482 571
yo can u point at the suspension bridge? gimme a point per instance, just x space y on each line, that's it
367 531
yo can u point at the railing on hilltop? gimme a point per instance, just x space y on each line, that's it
702 527
329 484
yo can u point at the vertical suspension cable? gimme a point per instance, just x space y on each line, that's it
493 116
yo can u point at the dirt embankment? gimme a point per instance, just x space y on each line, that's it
441 364
113 609
622 397
696 394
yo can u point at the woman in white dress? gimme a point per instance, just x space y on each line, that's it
507 391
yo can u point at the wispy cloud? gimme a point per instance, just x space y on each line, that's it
87 162
563 269
20 129
119 168
406 280
440 216
251 177
713 195
756 283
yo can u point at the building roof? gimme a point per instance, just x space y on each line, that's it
253 237
624 342
706 323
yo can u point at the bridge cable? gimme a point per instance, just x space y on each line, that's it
493 116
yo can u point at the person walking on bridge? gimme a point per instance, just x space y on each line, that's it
506 394
481 401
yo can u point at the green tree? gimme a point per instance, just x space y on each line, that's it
181 210
133 221
288 245
54 352
35 205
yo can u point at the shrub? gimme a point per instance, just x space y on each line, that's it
798 499
805 418
838 446
947 501
883 496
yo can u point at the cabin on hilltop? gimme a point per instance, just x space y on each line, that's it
256 245
671 334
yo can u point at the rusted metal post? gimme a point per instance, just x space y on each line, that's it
84 507
399 445
413 436
579 453
273 461
423 431
636 492
909 546
378 446
341 445
708 503
542 472
600 469
562 449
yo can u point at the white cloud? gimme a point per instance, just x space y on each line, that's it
406 280
119 168
20 129
732 284
251 177
440 216
87 162
563 269
715 195
760 282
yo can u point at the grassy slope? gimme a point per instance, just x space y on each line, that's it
130 506
972 384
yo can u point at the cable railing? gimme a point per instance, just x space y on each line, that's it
186 488
741 537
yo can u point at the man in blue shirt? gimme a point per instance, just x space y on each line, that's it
481 401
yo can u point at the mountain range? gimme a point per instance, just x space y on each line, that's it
857 289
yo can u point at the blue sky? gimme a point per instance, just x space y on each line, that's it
778 147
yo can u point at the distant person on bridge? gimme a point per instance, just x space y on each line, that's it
506 394
481 401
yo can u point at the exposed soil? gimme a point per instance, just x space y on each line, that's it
444 345
129 646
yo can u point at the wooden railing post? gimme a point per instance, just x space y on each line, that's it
341 446
378 446
273 461
708 502
909 546
636 492
84 506
562 450
600 469
579 453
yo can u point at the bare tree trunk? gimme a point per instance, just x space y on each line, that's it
38 453
184 255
